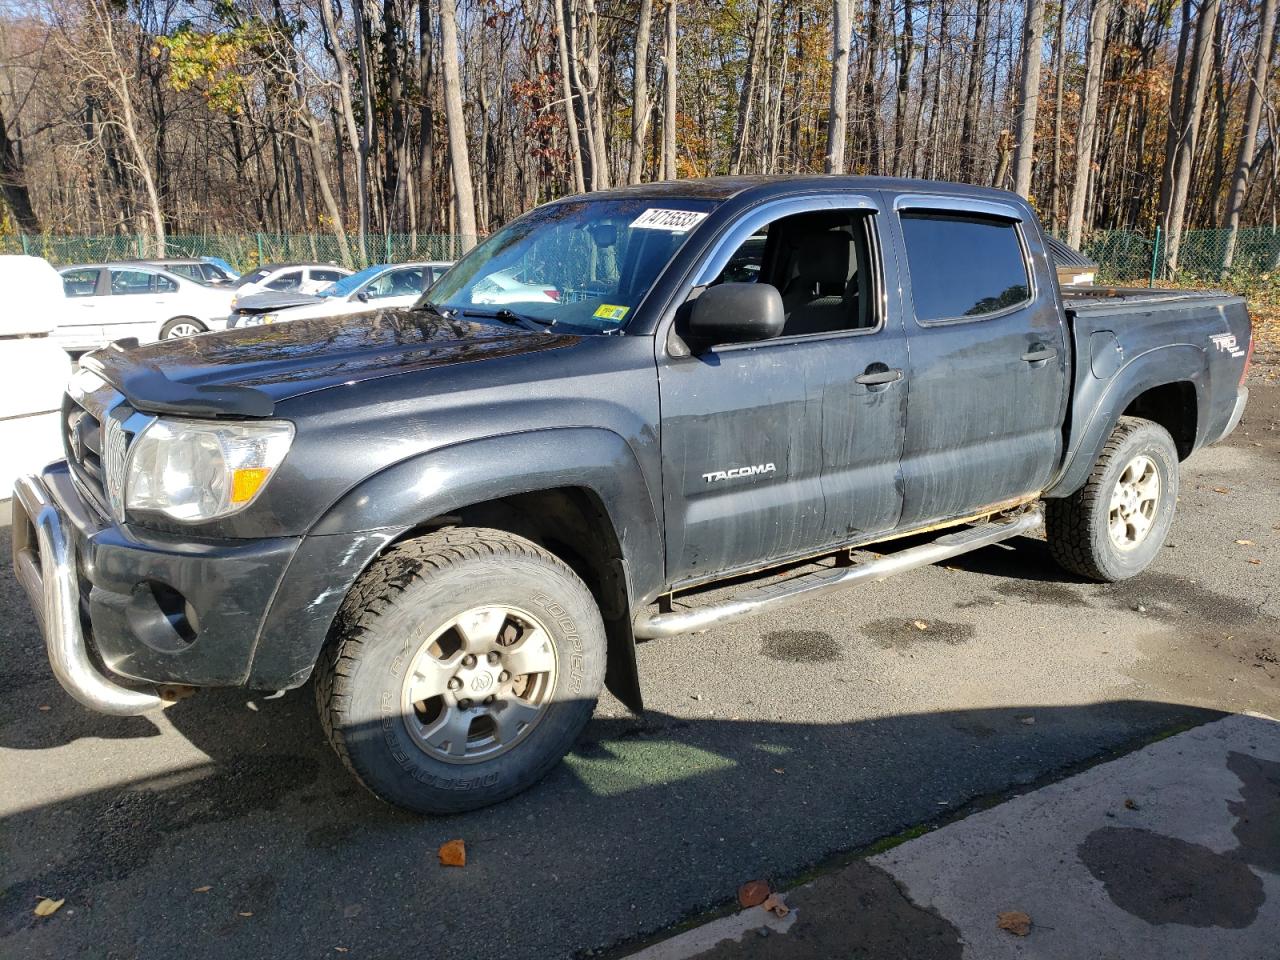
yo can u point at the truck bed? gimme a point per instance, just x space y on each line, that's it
1107 300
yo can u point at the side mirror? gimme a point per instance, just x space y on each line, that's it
736 313
363 296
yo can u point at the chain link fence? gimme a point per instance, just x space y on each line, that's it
1123 256
1201 257
245 251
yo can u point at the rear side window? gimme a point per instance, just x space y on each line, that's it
963 266
80 283
327 276
286 281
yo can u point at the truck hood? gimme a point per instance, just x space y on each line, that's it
273 300
245 372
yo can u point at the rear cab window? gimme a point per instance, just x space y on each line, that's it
964 266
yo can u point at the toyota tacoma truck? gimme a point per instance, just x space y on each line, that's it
459 518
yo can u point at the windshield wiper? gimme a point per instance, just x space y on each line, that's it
510 316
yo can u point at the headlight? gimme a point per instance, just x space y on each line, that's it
196 470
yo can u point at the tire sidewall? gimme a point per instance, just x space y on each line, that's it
1151 441
387 757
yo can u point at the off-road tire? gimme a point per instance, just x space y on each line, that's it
417 586
166 332
1077 526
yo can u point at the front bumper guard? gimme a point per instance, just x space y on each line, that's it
47 571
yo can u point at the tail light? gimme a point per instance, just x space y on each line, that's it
555 295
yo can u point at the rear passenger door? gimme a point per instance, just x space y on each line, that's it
988 357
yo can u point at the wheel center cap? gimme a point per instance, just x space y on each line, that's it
478 681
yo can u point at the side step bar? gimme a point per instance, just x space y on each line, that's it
773 596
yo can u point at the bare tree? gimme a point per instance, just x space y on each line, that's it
1087 130
839 105
640 105
566 92
456 122
1184 158
1249 136
671 49
1028 97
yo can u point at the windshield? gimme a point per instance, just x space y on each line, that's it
349 285
253 277
582 263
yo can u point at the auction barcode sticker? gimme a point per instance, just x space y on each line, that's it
677 221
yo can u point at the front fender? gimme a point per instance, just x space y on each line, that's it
381 508
1103 402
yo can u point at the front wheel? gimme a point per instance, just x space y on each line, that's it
1113 527
461 668
182 327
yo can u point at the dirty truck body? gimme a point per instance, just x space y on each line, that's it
460 518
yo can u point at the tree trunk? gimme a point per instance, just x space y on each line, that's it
1059 55
640 105
973 92
1184 160
1088 120
746 96
1252 114
837 118
359 150
906 56
566 92
600 178
1028 97
456 122
13 185
669 171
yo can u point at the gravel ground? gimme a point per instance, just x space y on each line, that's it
224 827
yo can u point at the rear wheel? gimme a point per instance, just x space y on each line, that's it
462 667
182 327
1113 527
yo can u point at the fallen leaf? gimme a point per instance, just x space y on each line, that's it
45 707
204 889
1244 543
753 893
246 913
775 906
1014 921
1255 561
341 949
1130 805
779 770
1027 720
453 854
1221 490
47 907
921 625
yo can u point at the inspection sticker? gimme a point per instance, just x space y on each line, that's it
607 311
677 221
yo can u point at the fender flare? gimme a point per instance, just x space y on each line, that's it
1107 400
357 528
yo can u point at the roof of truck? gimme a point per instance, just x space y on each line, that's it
723 188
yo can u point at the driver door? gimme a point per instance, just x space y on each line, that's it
780 448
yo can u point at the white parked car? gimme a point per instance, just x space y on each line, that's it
287 278
114 300
504 287
33 367
377 287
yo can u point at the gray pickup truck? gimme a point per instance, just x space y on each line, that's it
461 516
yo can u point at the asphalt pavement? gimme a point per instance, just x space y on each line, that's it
778 748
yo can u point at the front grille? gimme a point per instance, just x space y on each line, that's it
95 443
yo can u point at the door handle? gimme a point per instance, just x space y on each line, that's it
1039 352
878 377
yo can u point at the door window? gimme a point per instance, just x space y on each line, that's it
291 280
128 282
964 266
396 283
821 263
326 276
80 283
